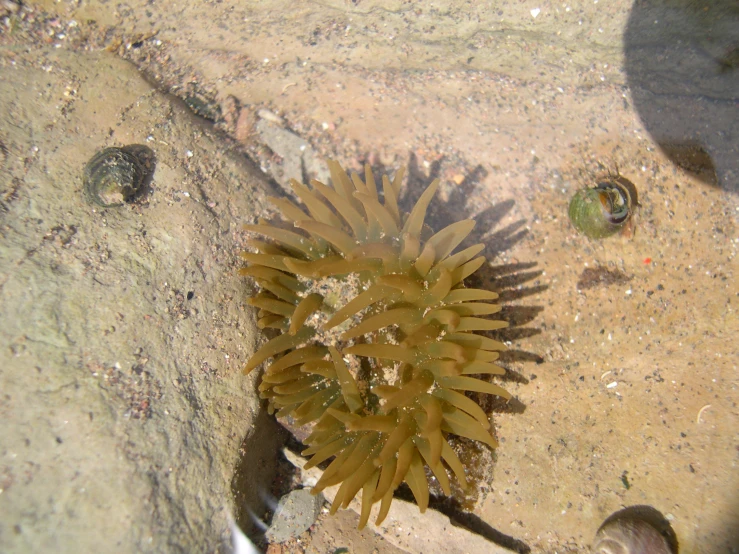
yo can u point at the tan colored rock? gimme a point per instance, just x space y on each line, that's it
123 330
528 109
405 527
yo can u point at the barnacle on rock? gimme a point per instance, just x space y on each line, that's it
376 340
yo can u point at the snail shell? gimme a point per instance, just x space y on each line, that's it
605 209
116 175
630 536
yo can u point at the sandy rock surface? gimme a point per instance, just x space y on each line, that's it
625 384
123 329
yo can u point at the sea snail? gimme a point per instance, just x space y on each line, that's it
630 536
603 210
116 175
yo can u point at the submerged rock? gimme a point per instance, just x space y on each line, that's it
124 404
295 513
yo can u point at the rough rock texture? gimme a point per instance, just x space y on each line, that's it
123 330
625 394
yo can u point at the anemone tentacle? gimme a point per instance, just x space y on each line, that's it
377 338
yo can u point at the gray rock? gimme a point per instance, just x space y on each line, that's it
295 513
298 156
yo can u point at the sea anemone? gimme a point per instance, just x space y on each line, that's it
376 342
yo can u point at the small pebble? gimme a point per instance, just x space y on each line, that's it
269 116
296 512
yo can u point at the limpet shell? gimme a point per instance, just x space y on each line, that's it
115 175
